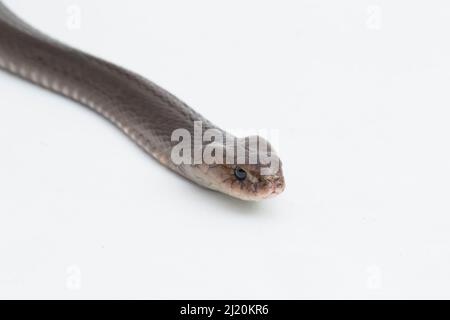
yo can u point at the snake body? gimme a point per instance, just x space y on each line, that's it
145 112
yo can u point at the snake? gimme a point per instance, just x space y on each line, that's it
145 112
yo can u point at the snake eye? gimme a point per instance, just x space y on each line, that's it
240 173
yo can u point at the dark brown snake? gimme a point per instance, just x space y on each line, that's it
145 112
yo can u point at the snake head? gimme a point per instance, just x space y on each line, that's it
247 183
259 176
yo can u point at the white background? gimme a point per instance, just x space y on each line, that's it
359 91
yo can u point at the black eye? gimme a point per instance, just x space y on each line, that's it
240 173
